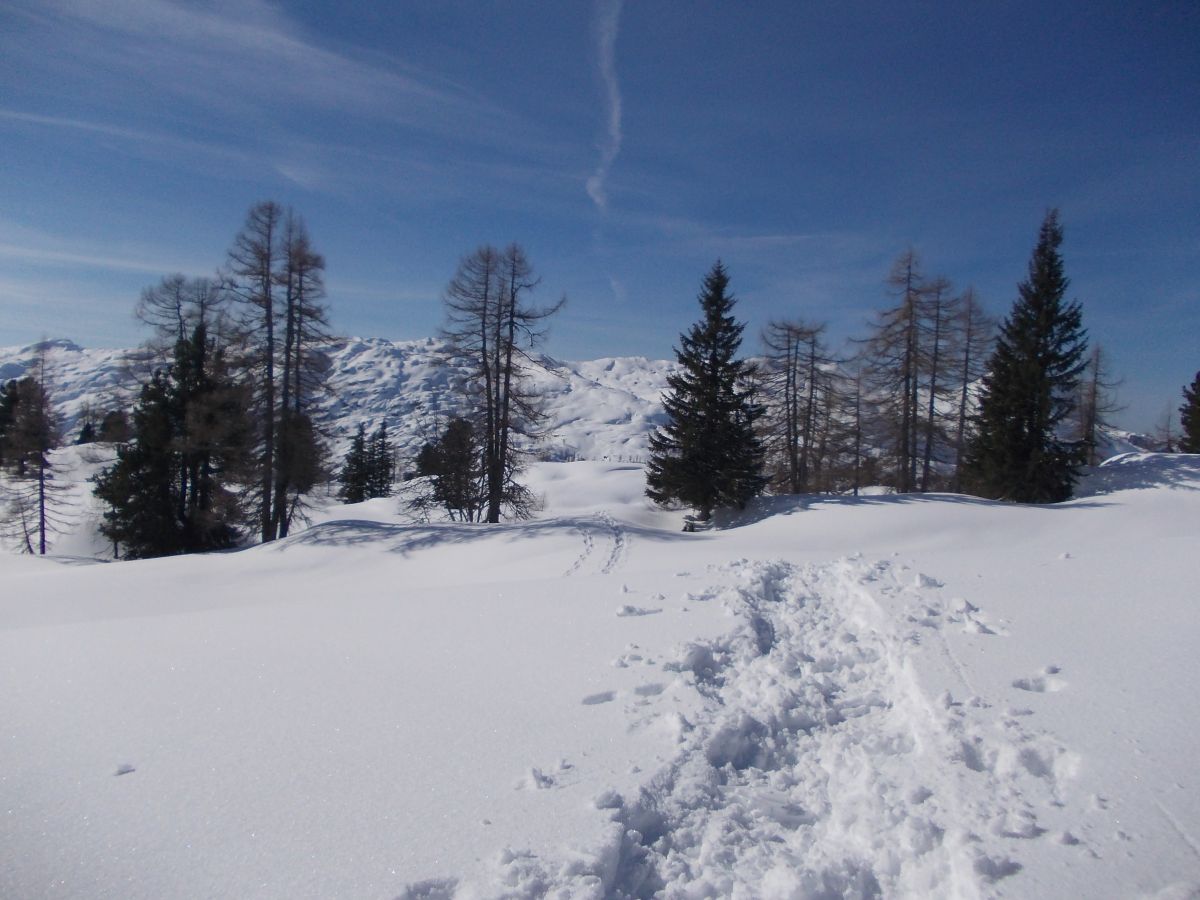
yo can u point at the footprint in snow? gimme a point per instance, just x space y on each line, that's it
649 690
535 780
627 610
1044 683
602 697
124 769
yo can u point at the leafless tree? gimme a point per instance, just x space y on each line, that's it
491 327
177 304
894 352
1096 404
275 278
974 331
796 384
939 309
306 328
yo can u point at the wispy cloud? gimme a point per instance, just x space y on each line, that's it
133 136
608 14
31 247
41 256
248 60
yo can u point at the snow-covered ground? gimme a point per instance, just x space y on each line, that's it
891 696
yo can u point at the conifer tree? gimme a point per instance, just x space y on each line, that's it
381 469
1016 453
707 455
456 468
8 408
1189 418
114 427
31 433
171 488
353 476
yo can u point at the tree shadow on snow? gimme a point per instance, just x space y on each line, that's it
409 539
1141 471
764 508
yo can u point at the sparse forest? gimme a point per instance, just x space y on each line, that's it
224 443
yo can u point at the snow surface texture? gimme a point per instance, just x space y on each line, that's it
890 696
602 409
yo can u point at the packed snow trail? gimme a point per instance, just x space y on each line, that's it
818 767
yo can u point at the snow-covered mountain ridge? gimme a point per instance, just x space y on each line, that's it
597 409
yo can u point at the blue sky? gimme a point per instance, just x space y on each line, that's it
625 146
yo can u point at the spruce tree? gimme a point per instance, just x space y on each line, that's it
170 490
381 468
31 433
355 472
707 455
1189 418
1030 389
114 427
9 397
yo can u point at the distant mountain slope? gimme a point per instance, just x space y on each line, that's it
597 409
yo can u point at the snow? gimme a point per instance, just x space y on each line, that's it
897 696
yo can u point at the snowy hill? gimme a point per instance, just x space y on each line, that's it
927 696
599 409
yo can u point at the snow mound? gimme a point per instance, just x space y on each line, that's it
1142 471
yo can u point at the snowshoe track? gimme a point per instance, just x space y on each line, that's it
612 534
820 767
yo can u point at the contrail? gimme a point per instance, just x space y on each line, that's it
607 14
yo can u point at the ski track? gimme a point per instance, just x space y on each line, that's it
819 767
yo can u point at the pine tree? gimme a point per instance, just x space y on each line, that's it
114 427
170 490
1016 453
456 469
1189 418
8 408
31 433
381 467
353 476
707 455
